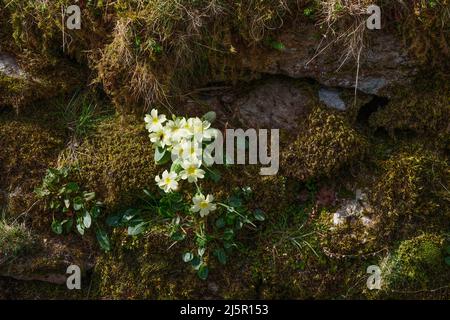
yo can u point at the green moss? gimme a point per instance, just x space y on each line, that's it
414 184
425 29
41 82
12 91
14 240
327 144
28 149
417 264
117 161
424 110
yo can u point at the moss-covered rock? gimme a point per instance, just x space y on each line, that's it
41 82
415 184
117 162
327 144
425 110
27 150
417 264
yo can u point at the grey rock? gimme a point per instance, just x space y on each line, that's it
332 98
9 66
384 62
274 104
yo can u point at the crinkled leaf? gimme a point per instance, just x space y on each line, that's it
87 219
221 256
78 203
67 203
162 156
201 251
72 187
259 215
188 256
203 272
57 227
80 228
196 263
103 239
68 224
214 175
447 261
89 196
220 223
137 229
210 116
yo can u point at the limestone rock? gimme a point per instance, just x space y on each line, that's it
384 62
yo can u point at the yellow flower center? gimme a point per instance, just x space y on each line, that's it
204 204
191 170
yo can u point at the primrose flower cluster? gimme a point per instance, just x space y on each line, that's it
181 140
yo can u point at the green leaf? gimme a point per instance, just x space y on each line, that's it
114 220
149 194
214 175
228 245
178 236
448 249
210 116
235 201
78 203
80 228
203 272
67 203
162 156
129 215
41 192
89 196
220 223
103 240
87 219
137 229
201 251
95 212
196 263
188 256
228 234
72 187
176 167
221 256
57 227
277 45
68 225
259 215
447 260
229 219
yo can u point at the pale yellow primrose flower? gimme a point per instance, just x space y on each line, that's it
201 130
203 205
161 137
177 129
154 122
192 171
195 127
181 149
168 182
